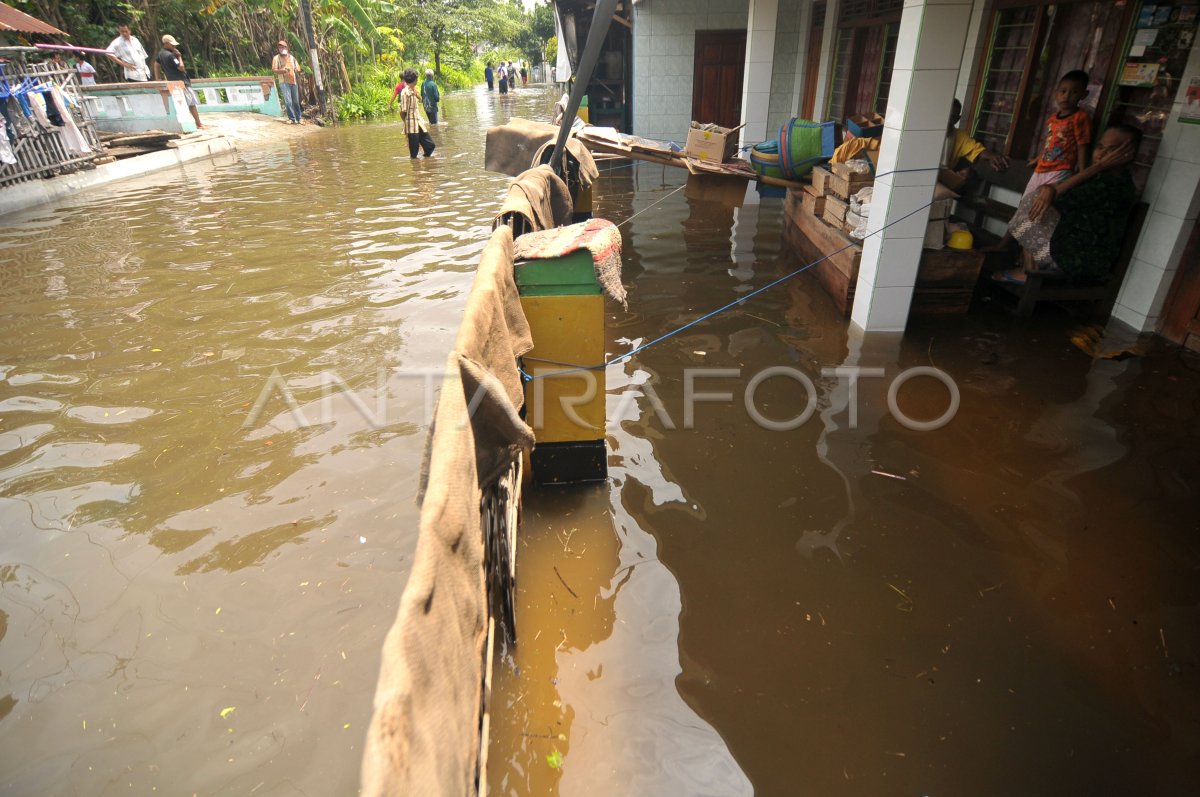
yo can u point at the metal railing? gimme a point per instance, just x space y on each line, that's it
41 152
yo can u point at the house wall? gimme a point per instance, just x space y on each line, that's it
783 75
1173 192
664 46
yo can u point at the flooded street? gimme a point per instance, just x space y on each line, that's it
1006 605
194 587
209 453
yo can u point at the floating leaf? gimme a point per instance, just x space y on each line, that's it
554 759
225 712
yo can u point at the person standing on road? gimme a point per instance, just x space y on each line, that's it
168 65
287 69
127 51
430 97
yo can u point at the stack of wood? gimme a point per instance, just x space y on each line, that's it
128 145
828 198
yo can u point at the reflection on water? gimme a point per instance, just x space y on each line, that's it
192 595
1007 605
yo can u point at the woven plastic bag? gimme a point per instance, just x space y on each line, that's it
803 144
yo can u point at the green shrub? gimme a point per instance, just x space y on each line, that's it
367 100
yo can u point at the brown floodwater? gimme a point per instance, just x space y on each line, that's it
194 587
1009 604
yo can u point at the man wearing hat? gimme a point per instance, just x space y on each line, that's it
286 68
168 65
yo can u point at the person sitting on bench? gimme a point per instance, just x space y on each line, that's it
961 153
1074 228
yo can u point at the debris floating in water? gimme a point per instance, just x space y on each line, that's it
554 759
225 712
890 475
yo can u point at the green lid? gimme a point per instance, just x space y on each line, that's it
569 275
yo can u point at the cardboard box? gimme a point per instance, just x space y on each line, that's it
716 146
834 212
940 209
935 234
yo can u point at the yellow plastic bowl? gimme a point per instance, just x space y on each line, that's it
961 239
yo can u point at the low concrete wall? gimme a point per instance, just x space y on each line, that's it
138 107
31 194
162 105
246 94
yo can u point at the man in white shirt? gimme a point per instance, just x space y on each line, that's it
127 51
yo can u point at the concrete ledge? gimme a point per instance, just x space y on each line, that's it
38 192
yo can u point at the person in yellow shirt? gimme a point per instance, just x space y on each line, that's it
961 153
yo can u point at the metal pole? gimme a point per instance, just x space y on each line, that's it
306 13
601 19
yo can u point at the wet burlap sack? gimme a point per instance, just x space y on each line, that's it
424 735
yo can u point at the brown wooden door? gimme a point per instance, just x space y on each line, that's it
815 36
720 65
1181 314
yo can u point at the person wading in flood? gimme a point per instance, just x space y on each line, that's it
415 127
430 97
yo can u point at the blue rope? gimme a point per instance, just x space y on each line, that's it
578 368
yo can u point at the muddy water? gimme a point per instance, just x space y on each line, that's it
194 586
1006 605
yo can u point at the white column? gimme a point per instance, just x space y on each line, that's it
756 82
928 55
1173 191
806 15
976 41
828 39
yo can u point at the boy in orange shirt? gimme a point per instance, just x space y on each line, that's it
1068 135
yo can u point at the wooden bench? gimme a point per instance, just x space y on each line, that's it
1055 287
981 204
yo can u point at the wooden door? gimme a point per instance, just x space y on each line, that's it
813 66
717 87
1181 314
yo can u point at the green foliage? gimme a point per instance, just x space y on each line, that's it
551 51
373 39
365 101
453 78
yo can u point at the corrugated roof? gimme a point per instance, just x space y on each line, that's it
12 19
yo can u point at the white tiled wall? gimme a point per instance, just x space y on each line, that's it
1173 192
760 62
664 42
787 50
